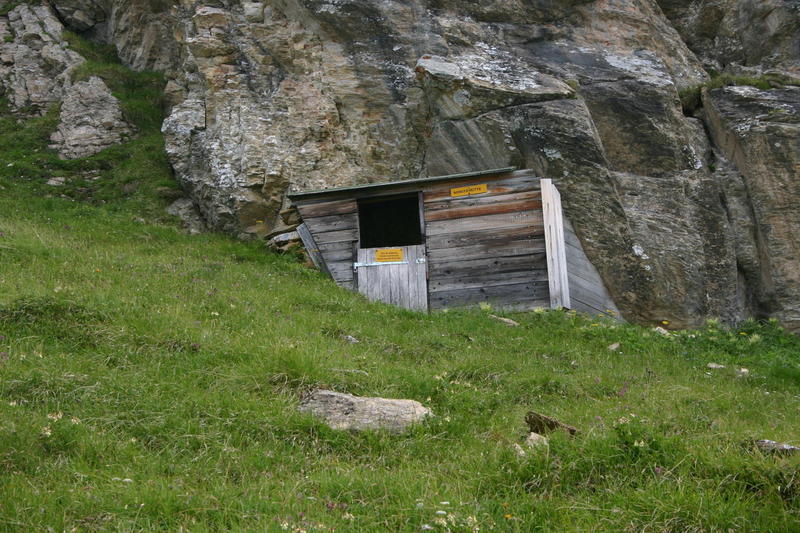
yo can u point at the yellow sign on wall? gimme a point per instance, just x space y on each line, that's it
388 255
469 190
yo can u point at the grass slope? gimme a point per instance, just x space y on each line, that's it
149 381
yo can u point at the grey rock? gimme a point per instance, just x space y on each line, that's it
35 64
345 411
186 210
535 441
81 15
90 121
731 34
771 446
759 131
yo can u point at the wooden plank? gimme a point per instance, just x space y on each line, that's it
485 222
404 285
497 235
587 294
321 208
477 251
456 212
506 185
517 263
554 239
312 249
473 201
584 307
530 292
341 271
331 223
344 254
489 279
328 237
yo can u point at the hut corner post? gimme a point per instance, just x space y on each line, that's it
555 246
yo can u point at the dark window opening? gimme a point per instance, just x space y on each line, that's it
389 221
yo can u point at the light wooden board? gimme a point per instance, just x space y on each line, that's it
464 211
590 293
554 239
403 285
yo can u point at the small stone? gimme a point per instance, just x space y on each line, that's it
519 451
350 339
506 321
662 331
613 347
742 373
715 366
539 423
56 181
771 446
535 441
345 411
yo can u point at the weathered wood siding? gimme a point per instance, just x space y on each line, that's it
334 226
587 291
488 247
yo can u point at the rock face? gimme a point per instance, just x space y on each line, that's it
743 36
759 131
91 120
37 72
36 64
344 411
305 94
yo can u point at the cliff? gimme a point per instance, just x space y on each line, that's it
670 127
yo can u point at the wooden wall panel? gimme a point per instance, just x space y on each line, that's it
488 247
334 226
587 290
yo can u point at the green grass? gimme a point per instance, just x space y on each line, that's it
691 100
149 381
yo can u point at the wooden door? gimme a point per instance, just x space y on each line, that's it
396 275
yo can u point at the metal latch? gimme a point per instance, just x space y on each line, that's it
421 260
356 266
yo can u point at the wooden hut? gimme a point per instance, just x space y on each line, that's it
497 236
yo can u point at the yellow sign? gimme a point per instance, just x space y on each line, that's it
469 190
388 255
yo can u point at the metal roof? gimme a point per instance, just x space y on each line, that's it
391 184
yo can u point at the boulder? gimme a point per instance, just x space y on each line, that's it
90 121
345 411
186 210
35 64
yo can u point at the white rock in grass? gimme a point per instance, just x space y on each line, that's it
715 366
506 321
535 441
613 347
345 411
742 373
